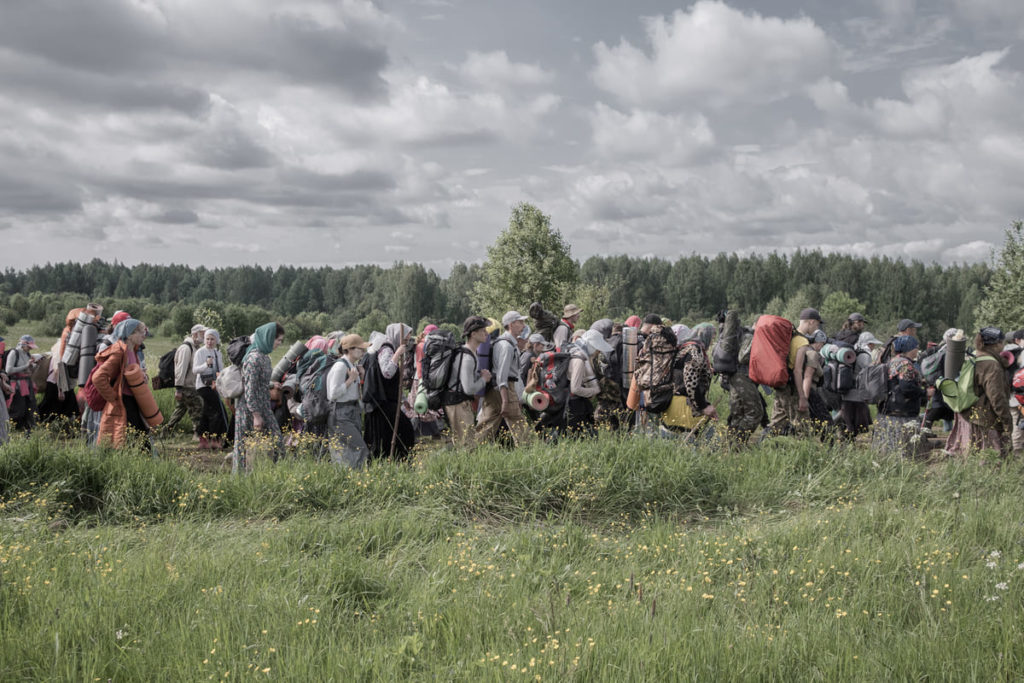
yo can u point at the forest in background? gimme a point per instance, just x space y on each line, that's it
365 297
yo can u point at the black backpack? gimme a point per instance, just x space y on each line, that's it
439 350
237 349
375 392
726 352
165 369
312 373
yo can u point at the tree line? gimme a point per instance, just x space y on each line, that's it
688 289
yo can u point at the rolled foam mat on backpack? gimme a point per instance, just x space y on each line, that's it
73 347
87 355
138 384
421 401
840 354
629 351
955 349
297 351
539 401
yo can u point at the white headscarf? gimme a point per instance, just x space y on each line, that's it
396 334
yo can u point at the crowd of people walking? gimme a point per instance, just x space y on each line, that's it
507 381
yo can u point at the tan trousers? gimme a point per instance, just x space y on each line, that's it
490 416
785 413
460 422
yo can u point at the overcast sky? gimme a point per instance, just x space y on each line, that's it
311 132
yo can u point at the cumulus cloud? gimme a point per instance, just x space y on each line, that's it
674 138
714 54
495 68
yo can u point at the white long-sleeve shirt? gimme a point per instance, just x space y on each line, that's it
337 389
199 363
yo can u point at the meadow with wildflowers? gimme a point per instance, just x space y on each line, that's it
617 559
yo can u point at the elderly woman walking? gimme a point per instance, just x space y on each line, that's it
387 429
21 405
254 417
207 364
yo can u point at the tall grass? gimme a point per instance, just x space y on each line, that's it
618 559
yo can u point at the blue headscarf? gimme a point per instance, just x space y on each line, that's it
124 329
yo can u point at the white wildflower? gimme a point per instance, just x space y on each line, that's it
1020 566
1002 585
119 634
995 554
992 598
990 565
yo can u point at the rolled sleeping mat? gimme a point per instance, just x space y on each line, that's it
539 401
138 384
629 350
421 401
840 354
73 347
87 356
297 351
955 349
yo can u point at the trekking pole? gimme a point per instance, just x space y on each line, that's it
398 412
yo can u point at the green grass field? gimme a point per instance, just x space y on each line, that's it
616 559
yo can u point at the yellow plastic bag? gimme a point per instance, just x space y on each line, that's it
679 414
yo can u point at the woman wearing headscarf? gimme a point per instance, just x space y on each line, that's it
382 396
990 419
21 404
122 410
906 392
253 412
207 364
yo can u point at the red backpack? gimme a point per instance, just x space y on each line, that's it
1018 386
93 399
769 351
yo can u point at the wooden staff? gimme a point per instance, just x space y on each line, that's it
398 411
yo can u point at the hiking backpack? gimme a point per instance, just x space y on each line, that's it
769 351
312 373
551 374
726 352
933 365
653 373
959 394
237 348
165 370
544 320
93 398
439 351
1018 386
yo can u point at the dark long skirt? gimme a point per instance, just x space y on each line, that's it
213 421
855 418
378 428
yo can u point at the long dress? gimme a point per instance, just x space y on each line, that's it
255 399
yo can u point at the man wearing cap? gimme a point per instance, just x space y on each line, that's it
563 331
501 400
904 328
791 405
186 398
467 380
344 424
20 364
583 383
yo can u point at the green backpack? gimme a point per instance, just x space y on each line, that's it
959 393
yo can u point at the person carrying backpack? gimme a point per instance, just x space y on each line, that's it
121 411
21 405
747 408
989 422
186 398
466 380
855 413
792 403
566 326
255 423
583 384
5 391
344 426
501 400
382 395
906 393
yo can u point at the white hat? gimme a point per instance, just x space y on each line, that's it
511 317
594 340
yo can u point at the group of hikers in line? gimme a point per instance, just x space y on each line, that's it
357 399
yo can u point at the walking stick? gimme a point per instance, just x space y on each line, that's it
398 411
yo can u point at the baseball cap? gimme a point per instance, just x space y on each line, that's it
819 337
197 328
27 339
857 318
511 317
906 324
810 314
537 338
